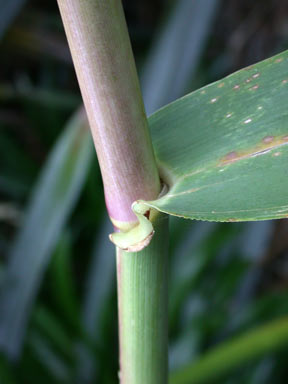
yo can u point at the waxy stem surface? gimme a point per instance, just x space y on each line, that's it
105 68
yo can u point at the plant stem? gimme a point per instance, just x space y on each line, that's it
104 63
105 67
142 290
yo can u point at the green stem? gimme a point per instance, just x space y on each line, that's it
142 290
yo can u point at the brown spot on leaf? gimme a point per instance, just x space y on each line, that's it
268 139
231 156
266 145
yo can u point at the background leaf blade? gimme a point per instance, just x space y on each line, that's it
234 353
54 197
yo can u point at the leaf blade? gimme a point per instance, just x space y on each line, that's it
54 197
251 345
223 148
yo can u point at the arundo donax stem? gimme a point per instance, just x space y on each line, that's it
105 68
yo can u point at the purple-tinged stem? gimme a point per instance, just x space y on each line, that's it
105 67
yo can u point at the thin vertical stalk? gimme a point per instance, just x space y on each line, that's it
105 67
142 298
104 63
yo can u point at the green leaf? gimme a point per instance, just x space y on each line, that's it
54 198
54 367
62 280
234 353
6 372
99 288
223 150
53 328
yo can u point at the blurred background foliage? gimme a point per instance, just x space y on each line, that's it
58 305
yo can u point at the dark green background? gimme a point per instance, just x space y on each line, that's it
225 279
